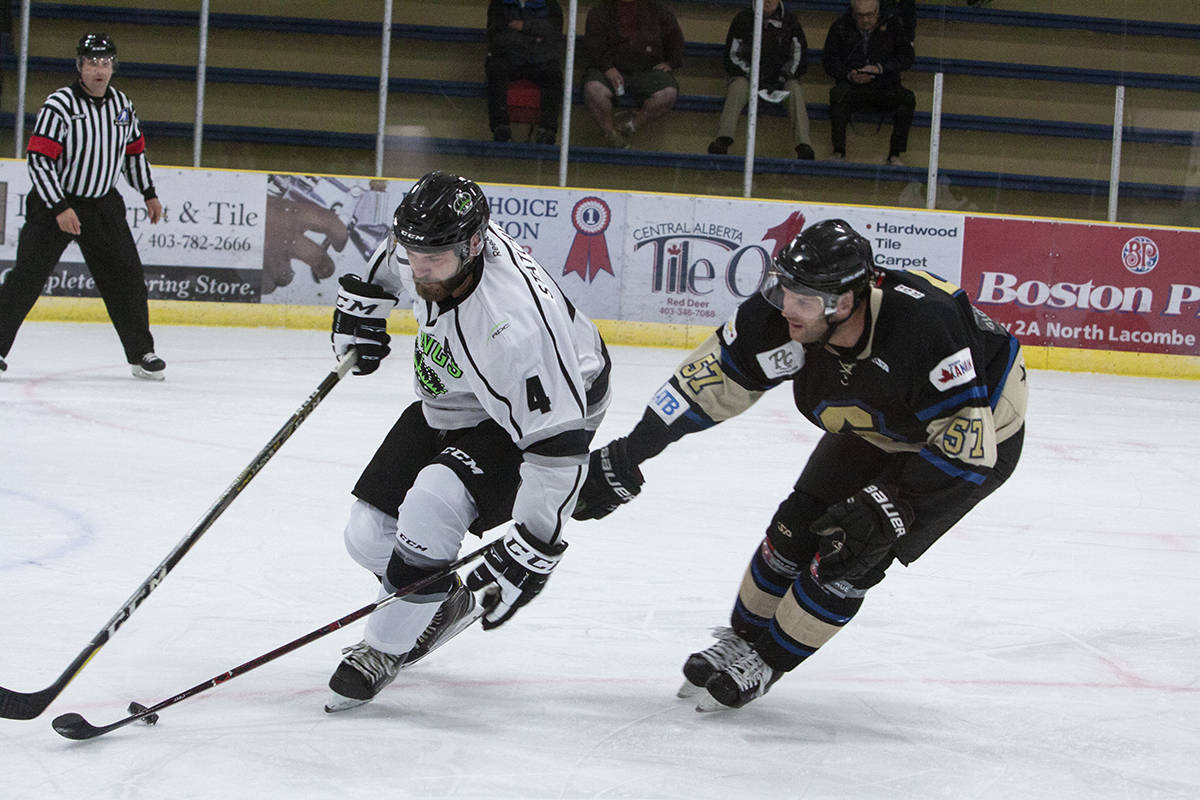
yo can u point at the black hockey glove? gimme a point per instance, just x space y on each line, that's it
613 479
857 533
360 322
515 568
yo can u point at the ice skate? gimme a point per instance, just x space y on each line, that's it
737 684
701 666
454 615
150 367
364 671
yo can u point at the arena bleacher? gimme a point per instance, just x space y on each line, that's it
1026 126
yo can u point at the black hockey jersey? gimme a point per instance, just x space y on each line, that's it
931 375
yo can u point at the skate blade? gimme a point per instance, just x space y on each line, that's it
688 689
338 703
709 703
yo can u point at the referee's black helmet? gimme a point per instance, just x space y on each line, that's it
96 45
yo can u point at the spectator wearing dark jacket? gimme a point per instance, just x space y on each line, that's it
630 47
524 41
865 57
784 58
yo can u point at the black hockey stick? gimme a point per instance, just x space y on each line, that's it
74 726
27 705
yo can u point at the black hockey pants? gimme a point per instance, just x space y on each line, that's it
111 256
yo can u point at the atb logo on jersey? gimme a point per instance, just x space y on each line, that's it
667 403
463 458
1140 255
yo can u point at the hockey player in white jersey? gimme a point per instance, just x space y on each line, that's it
513 383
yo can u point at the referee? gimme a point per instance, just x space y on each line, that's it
84 136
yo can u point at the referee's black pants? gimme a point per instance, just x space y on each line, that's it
111 256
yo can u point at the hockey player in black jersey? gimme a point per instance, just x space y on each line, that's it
922 399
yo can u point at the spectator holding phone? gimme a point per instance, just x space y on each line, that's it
865 56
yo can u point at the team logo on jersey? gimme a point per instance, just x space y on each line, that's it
953 370
846 371
782 361
438 353
125 117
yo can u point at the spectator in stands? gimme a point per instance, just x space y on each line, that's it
630 47
783 60
865 57
524 41
906 11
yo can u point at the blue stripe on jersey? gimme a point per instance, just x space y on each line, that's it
970 393
739 377
701 421
1013 348
816 609
948 468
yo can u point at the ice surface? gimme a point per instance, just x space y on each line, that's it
1048 647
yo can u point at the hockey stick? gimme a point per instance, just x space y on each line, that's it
27 705
74 726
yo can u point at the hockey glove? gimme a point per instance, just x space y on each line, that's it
514 570
858 533
360 321
613 479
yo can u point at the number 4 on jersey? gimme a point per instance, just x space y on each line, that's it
538 401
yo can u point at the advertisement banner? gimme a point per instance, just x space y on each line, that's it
693 260
320 227
207 247
284 239
1098 287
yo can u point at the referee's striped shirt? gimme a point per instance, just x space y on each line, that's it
81 143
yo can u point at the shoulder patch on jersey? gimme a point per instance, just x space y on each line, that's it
953 370
784 360
908 290
729 330
668 403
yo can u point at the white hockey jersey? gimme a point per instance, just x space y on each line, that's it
513 349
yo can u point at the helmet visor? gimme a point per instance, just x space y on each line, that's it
775 282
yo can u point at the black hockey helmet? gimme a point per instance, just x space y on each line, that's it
826 260
441 212
96 45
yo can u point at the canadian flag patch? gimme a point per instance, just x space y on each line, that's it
953 370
